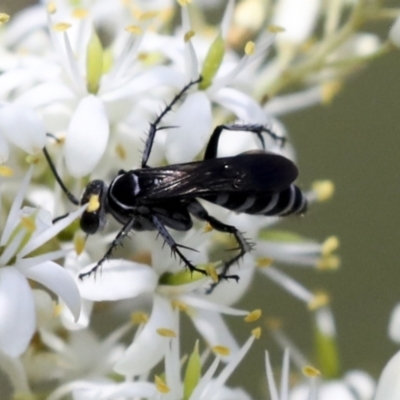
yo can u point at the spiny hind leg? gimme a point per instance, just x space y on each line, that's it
196 209
169 240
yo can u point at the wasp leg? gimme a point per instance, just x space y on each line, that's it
169 240
257 129
196 209
154 125
115 243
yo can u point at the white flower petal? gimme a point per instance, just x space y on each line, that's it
213 328
394 33
45 94
185 141
361 383
59 281
87 137
227 371
337 390
394 324
289 284
13 214
89 390
149 347
24 23
71 323
22 126
155 77
17 312
118 279
191 61
230 292
13 79
128 390
242 105
3 150
37 240
297 101
297 18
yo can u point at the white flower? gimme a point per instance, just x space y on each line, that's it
93 98
26 230
121 279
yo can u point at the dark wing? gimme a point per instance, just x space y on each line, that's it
245 173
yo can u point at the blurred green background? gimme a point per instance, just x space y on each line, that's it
355 142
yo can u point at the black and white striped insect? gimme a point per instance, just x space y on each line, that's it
255 182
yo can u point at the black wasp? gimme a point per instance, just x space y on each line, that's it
254 182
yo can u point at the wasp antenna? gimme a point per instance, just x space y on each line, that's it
51 135
70 196
59 218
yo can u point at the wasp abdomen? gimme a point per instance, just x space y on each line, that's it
286 202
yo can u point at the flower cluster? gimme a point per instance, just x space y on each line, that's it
87 82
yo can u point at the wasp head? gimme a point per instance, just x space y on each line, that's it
94 217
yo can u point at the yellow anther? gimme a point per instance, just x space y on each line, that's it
180 305
161 386
250 48
330 91
51 7
184 3
320 299
328 263
273 323
6 171
136 30
120 150
57 309
189 35
139 318
94 203
310 371
4 18
79 243
80 13
275 29
264 262
323 189
221 350
32 159
28 223
208 227
61 26
330 245
212 272
165 332
256 332
144 257
253 316
147 15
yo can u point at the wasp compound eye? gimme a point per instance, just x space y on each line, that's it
93 217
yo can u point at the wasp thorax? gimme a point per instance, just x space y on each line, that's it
93 218
124 189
